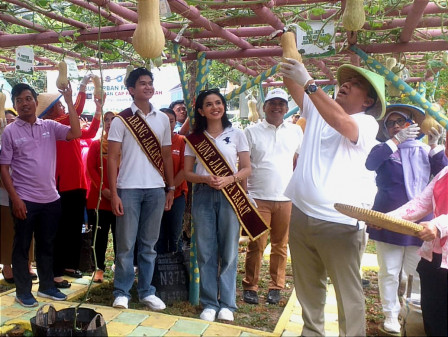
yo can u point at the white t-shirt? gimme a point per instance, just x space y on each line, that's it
229 143
136 171
271 155
331 169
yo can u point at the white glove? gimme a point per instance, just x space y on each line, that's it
296 71
434 135
411 132
85 80
252 200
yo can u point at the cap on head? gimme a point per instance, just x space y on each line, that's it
276 93
46 102
348 71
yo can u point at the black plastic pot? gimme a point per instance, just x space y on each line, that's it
60 323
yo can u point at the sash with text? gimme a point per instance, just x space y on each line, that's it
248 216
145 137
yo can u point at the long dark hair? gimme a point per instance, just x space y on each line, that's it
200 122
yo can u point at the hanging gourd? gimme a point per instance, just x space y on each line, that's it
62 80
148 39
96 86
253 113
289 46
2 105
157 61
396 68
445 57
428 123
129 68
354 16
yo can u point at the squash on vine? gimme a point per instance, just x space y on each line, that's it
354 16
62 80
148 39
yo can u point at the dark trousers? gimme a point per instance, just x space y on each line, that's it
170 237
106 221
42 219
67 249
434 295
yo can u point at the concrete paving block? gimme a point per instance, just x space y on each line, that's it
190 326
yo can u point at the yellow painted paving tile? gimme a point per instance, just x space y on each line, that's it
6 300
108 313
331 308
13 312
164 322
221 330
293 326
119 329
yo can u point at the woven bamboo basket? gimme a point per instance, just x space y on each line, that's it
380 219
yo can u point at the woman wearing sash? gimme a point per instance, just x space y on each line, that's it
216 223
433 265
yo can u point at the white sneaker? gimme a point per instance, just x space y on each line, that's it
391 324
208 315
121 302
225 315
153 302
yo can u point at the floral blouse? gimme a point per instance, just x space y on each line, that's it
434 198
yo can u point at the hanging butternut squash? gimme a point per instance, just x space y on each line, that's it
253 113
129 68
148 39
428 123
96 87
354 16
62 80
2 105
288 42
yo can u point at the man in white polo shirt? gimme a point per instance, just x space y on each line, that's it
140 143
339 135
274 147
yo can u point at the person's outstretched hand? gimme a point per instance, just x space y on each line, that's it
295 70
411 132
434 135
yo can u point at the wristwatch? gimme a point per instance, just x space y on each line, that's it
311 88
170 188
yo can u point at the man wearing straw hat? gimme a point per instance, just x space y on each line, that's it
339 135
29 151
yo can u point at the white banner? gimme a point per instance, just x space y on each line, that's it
117 95
24 60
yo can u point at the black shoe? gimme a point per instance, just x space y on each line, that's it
365 283
63 284
250 296
9 280
273 296
75 273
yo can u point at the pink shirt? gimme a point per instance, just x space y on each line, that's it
30 150
419 207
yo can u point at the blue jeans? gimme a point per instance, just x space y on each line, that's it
140 224
217 234
170 238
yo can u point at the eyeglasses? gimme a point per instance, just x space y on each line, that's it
209 91
391 124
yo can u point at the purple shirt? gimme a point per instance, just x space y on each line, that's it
30 150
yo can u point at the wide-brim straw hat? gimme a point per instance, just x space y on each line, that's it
45 102
348 71
380 219
413 113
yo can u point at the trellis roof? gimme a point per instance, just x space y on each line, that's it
242 34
